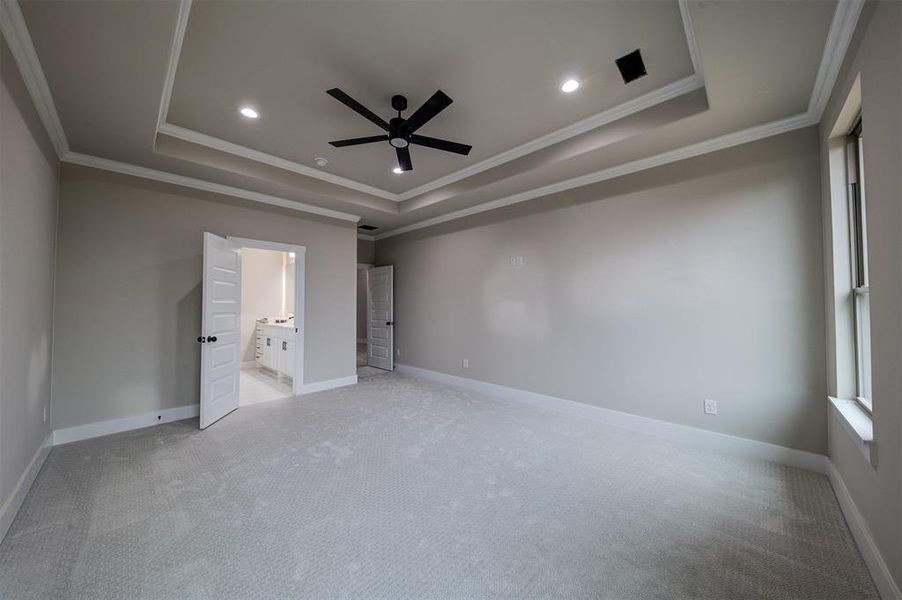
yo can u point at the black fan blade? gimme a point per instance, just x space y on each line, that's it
357 107
363 140
430 108
404 159
422 140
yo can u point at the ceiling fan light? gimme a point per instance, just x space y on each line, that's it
570 86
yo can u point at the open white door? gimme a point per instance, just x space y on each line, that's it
380 317
220 359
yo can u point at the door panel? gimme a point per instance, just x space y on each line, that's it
220 358
380 317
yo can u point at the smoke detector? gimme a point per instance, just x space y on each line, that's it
320 161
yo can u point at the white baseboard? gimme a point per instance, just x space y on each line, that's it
881 574
329 384
691 436
11 506
92 430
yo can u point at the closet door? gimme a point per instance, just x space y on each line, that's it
380 317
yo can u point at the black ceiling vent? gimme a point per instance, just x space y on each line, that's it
631 66
367 227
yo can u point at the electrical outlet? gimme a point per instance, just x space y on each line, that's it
516 261
466 363
710 407
45 413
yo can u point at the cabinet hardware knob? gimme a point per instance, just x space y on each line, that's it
212 338
201 339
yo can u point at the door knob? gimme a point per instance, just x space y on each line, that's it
389 322
201 339
212 338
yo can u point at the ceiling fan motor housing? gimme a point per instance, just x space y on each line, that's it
398 134
399 103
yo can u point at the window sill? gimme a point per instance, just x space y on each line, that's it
859 425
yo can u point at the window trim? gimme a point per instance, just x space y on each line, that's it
857 206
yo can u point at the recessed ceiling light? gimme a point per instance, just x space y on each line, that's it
397 170
249 112
571 85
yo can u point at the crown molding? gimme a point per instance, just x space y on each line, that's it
202 139
77 158
15 31
667 92
175 50
653 98
195 137
365 237
691 40
692 150
842 27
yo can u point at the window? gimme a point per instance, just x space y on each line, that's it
859 255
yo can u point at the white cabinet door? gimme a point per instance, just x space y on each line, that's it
280 355
267 351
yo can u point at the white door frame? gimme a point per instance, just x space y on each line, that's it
300 267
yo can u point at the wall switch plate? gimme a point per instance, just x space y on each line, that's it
710 407
516 261
466 363
45 413
398 352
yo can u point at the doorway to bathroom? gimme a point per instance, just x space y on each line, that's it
267 325
253 323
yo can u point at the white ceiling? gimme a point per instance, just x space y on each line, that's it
107 64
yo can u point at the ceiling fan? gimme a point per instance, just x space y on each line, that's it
400 131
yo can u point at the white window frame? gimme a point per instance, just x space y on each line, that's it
860 294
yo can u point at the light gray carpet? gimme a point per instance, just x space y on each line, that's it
400 488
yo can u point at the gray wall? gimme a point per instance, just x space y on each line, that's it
129 292
28 209
876 54
645 294
366 252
